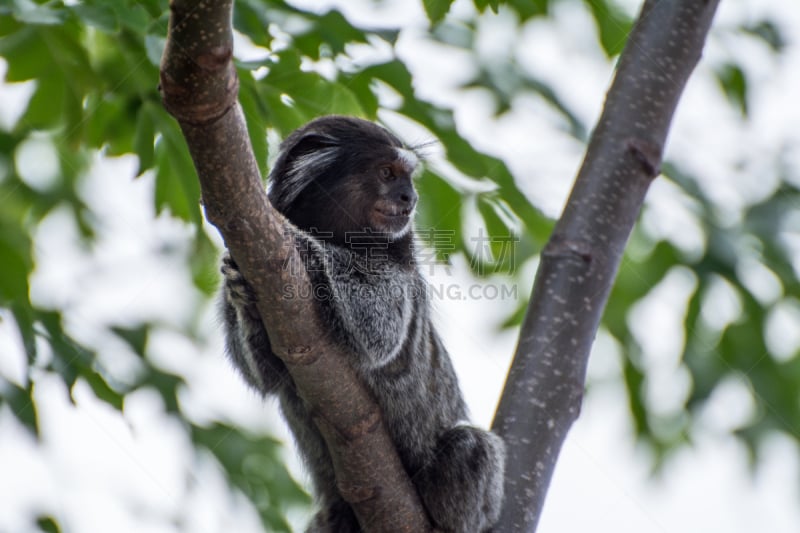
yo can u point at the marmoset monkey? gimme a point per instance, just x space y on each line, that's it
346 186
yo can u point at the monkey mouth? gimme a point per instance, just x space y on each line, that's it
394 221
394 213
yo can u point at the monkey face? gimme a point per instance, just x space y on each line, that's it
396 198
340 176
380 198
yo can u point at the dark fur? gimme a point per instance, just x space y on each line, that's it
347 188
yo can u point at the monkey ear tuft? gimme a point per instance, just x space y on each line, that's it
304 157
300 144
425 149
308 142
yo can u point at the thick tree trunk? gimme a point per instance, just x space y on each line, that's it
542 396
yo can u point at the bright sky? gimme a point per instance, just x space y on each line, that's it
100 471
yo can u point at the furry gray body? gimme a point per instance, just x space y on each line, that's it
374 299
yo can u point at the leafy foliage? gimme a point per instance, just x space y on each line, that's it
254 466
95 70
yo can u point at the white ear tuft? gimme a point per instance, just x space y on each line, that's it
304 169
408 157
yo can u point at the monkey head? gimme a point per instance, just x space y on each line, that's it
339 176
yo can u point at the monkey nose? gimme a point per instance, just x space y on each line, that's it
408 199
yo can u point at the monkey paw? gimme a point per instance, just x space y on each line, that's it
237 290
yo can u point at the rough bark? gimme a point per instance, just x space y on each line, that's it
199 87
543 393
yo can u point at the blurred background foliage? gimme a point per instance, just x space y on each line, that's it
94 69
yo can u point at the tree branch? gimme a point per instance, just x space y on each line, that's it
544 389
199 88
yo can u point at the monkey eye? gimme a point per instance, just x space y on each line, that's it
386 173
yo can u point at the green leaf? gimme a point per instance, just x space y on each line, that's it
177 186
25 53
46 107
16 261
293 97
395 74
256 116
171 190
21 403
515 319
483 4
154 8
253 22
438 219
505 80
103 391
136 18
437 9
733 81
70 359
204 265
341 100
635 279
328 36
166 385
768 32
56 56
634 386
284 118
501 239
101 17
48 524
361 88
24 316
135 337
743 349
109 123
527 9
612 24
144 139
576 127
